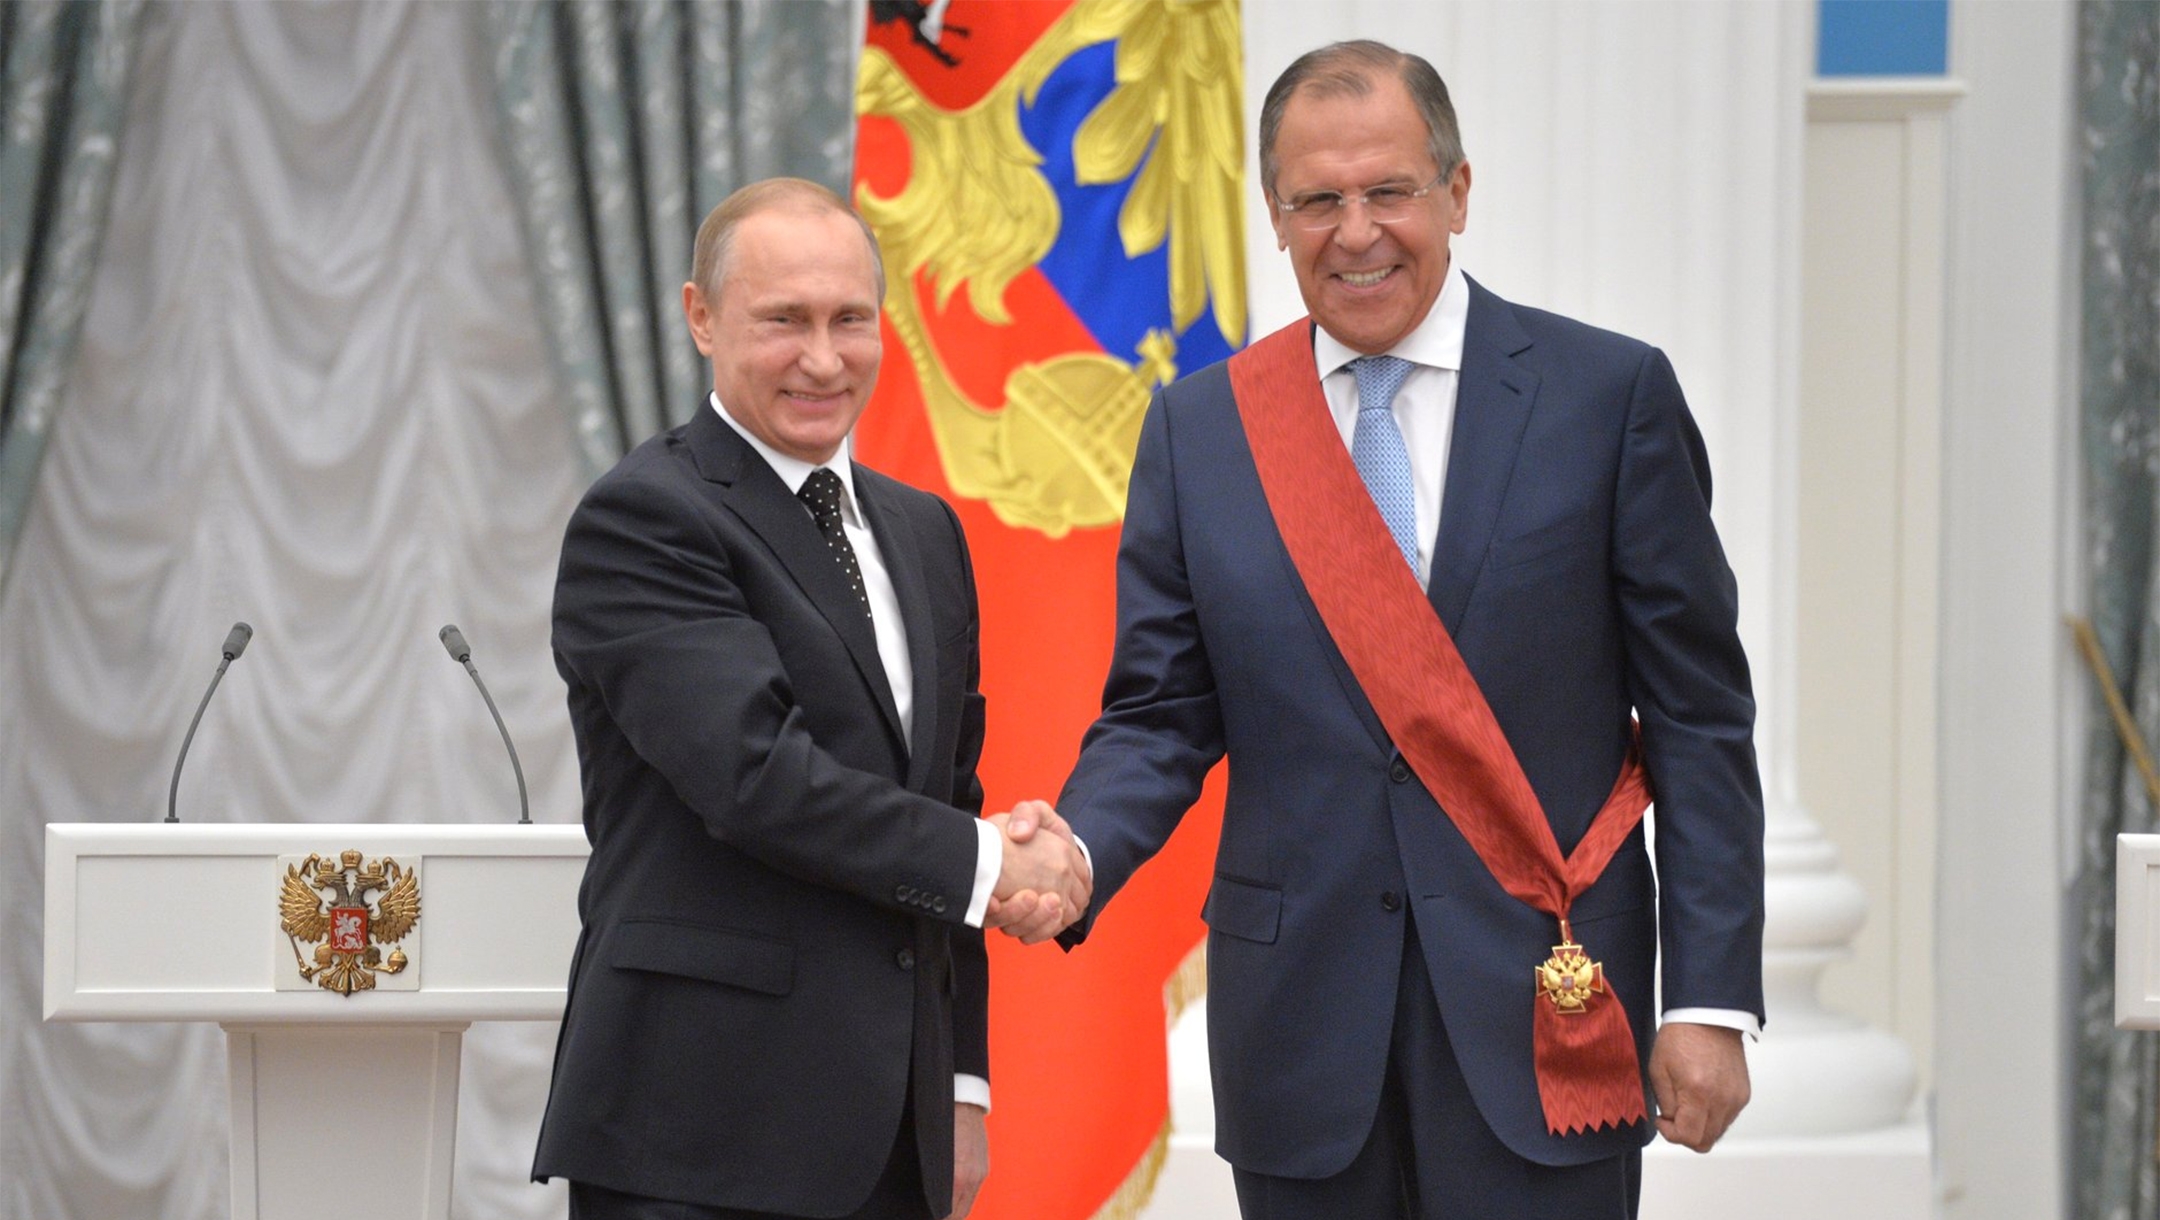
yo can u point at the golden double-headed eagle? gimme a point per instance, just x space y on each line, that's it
977 211
327 901
1570 979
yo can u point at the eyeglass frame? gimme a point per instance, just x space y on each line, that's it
1288 207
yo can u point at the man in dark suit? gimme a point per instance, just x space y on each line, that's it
1408 835
778 1000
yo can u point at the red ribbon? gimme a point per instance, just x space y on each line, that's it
1387 631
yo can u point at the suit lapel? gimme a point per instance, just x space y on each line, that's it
902 552
1493 397
756 494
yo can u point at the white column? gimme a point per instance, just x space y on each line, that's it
2013 691
1815 1071
1873 321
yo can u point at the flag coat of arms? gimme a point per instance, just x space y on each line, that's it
1058 189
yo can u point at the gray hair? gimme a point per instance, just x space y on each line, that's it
1347 69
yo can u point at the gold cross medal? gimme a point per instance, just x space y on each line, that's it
1569 978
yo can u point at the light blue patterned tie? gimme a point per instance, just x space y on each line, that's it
1377 448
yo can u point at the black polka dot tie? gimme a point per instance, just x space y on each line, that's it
821 492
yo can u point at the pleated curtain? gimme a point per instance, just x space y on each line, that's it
2113 1172
378 287
623 125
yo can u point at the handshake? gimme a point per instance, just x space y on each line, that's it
1045 883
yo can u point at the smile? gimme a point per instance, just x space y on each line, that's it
1364 279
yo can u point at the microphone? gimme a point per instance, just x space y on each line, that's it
236 642
453 642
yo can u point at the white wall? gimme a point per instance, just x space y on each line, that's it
2009 685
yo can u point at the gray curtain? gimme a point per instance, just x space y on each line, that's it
2114 1174
624 124
63 82
310 391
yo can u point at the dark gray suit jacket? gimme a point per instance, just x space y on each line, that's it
772 960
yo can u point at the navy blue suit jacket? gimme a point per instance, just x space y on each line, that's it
772 962
1578 571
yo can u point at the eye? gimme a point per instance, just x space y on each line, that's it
1319 203
1387 197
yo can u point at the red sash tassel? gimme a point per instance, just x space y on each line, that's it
1408 667
1587 1076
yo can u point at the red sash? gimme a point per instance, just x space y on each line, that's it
1587 1073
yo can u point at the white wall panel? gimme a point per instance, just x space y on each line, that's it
2010 685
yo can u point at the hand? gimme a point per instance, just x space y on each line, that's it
1025 904
1029 816
970 1157
1027 915
1699 1075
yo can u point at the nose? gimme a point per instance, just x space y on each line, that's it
1356 230
820 355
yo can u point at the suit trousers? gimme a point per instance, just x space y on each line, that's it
1430 1155
898 1194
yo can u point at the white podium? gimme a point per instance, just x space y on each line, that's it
343 1011
2137 931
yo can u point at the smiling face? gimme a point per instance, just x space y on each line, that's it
792 329
1366 284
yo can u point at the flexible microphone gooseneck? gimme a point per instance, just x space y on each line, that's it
236 642
453 642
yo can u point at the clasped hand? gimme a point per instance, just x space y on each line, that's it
1045 884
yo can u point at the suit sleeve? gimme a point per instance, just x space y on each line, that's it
971 965
651 618
1689 682
1143 761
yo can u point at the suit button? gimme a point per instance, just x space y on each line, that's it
1390 900
905 959
1400 773
937 906
905 893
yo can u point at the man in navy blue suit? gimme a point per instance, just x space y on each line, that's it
1376 947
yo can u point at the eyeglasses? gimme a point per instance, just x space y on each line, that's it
1320 211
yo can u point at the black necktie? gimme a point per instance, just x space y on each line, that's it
821 492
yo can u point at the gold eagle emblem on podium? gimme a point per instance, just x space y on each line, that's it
325 902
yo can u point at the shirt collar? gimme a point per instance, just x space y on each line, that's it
1436 343
793 471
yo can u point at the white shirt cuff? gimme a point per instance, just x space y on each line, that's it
1723 1018
970 1091
989 862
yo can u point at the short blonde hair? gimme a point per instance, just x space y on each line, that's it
709 258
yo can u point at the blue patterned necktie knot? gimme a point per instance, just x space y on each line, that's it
1377 448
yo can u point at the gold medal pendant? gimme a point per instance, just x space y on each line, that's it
1569 978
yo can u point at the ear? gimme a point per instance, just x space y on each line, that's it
1459 190
698 313
1275 219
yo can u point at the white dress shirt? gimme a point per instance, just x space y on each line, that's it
892 647
1425 411
1424 406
